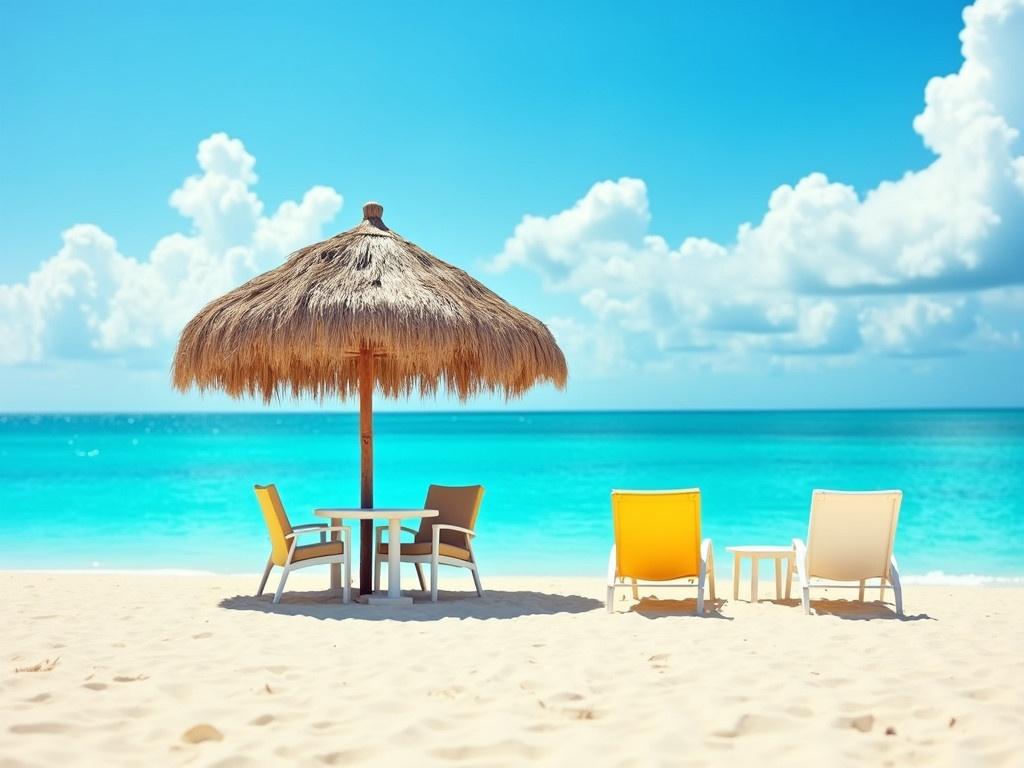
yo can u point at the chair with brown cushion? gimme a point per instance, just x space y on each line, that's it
441 540
287 554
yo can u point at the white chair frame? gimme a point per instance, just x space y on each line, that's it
805 583
706 575
800 548
343 559
434 558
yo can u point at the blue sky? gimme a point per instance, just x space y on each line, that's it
638 143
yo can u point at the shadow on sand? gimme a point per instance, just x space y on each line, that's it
655 608
495 604
855 610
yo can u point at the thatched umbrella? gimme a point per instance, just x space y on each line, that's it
365 310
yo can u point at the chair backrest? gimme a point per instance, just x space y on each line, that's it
657 534
851 533
456 505
277 522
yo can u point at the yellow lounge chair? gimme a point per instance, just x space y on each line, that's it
441 540
850 538
286 553
657 540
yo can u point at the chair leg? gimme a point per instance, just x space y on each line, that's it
280 586
700 593
897 589
419 575
806 600
476 580
860 592
736 576
610 599
433 579
376 573
711 576
346 584
266 575
636 592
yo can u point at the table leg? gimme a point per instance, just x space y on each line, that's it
394 593
735 576
394 558
336 567
778 578
753 579
789 575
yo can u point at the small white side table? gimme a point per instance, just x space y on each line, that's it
756 553
394 518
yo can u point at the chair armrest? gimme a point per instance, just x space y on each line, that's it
446 527
801 560
346 538
320 529
310 525
435 536
611 566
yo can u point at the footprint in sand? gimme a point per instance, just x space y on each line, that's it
262 720
346 757
862 723
748 724
95 686
202 635
559 698
130 679
39 728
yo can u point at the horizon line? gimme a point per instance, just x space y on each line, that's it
355 412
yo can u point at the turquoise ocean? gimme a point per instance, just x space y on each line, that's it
174 491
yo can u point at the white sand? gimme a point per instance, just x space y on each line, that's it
535 672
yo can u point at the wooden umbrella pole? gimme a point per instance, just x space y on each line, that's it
366 468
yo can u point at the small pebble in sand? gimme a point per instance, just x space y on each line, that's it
890 731
200 733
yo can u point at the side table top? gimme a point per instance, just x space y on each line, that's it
757 549
377 513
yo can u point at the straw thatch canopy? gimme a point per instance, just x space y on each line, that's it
300 328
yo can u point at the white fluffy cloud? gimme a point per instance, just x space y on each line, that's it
899 271
90 299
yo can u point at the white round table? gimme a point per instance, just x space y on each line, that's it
756 553
394 518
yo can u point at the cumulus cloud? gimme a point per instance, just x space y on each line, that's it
90 299
897 271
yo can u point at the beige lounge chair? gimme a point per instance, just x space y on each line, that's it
850 538
286 553
441 540
657 542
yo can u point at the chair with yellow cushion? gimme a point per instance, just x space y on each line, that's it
285 551
441 540
657 542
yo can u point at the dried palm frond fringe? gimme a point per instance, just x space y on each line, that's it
298 329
